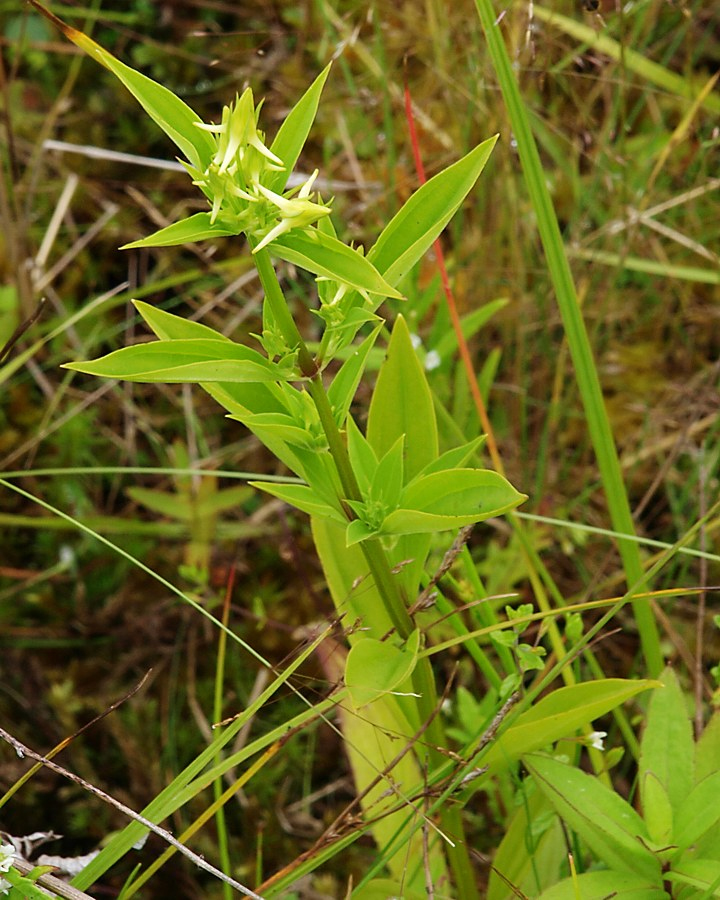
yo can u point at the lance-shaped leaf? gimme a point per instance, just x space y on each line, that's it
667 750
293 132
195 228
323 254
303 498
402 404
451 499
603 819
559 715
175 117
184 361
344 385
413 229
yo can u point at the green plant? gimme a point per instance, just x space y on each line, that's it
671 849
375 498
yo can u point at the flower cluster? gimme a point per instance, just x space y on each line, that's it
7 852
233 180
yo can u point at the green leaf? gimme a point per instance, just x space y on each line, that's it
699 811
293 132
402 404
182 362
607 823
558 715
358 531
601 885
699 873
375 668
181 506
195 228
532 850
707 749
387 483
456 458
658 813
175 117
362 456
382 888
302 497
168 326
667 750
448 500
413 229
325 255
344 385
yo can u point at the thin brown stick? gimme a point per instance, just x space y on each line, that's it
22 751
20 330
56 885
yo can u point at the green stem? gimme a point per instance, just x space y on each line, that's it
373 552
275 299
423 681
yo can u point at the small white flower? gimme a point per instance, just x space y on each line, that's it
432 360
596 739
7 854
416 341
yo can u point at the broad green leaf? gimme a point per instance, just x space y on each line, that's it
603 819
323 254
195 228
345 384
372 738
175 117
402 404
303 498
601 885
413 229
293 132
375 668
183 361
667 749
559 715
699 812
453 499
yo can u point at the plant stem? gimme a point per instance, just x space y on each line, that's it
275 299
422 679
